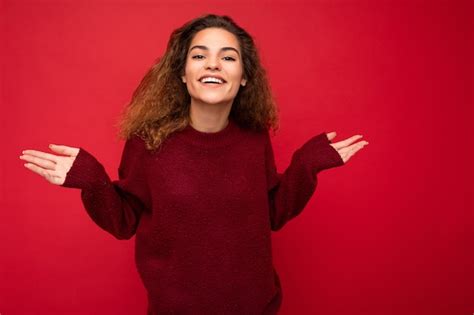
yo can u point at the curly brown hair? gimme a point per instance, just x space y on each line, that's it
160 104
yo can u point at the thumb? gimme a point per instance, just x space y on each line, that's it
331 135
65 150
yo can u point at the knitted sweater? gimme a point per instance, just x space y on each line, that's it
202 209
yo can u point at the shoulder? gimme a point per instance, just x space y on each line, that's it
136 143
135 146
260 137
133 156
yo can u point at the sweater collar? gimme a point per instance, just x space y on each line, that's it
211 139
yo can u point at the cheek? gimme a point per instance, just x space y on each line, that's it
235 73
189 69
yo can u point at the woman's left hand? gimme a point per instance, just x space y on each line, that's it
346 148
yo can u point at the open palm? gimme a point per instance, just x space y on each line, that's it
52 167
347 148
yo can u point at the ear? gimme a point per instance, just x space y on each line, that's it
183 78
243 82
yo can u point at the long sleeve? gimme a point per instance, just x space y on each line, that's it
289 192
115 206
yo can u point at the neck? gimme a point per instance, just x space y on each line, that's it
209 117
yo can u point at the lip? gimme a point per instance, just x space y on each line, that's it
214 76
211 85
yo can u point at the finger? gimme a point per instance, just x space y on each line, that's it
40 154
71 151
331 135
353 152
47 174
347 152
46 164
51 176
353 146
347 142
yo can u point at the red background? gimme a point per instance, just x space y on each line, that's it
390 232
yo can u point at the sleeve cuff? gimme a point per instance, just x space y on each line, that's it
86 172
320 154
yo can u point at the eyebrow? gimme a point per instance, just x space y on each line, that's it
222 49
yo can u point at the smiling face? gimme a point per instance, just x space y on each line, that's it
214 68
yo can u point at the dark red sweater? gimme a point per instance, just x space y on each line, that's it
202 209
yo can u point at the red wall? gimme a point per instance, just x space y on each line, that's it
390 232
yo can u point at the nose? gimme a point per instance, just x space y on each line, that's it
213 63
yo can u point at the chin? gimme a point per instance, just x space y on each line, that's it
212 100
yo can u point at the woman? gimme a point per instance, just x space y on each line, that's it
197 182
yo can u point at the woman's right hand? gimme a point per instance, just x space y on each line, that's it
52 167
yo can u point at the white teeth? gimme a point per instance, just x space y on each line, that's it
211 79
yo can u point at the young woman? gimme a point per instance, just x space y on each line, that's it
197 182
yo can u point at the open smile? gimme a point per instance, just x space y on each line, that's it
212 84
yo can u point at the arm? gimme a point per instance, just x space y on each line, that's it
289 192
115 206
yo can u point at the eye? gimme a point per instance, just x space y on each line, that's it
227 58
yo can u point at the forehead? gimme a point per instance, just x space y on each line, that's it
215 38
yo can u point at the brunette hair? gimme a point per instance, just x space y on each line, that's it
160 104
